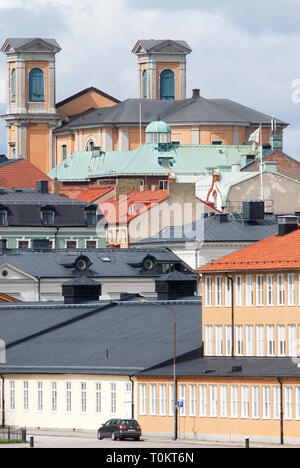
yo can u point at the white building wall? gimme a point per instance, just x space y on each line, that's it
61 418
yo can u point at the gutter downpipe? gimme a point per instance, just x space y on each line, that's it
281 412
2 402
132 396
232 314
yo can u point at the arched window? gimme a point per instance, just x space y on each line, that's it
167 88
90 145
13 86
36 85
145 84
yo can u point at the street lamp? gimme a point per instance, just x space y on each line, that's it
174 363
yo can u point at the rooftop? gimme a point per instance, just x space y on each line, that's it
20 173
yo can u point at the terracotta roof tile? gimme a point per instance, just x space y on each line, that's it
20 173
273 253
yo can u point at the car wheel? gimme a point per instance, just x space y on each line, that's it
113 436
99 436
137 438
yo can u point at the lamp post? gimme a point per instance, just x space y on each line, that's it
175 423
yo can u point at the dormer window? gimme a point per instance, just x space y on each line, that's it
3 217
91 216
47 216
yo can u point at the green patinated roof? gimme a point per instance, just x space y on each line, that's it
158 126
182 160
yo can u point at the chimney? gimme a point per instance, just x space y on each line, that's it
196 93
3 245
81 290
287 224
124 186
42 186
55 186
253 210
175 286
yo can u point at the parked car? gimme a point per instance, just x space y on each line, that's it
120 429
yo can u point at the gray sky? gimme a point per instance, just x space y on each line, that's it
248 53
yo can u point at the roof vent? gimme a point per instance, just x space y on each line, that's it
42 186
253 210
196 93
40 244
175 285
287 224
236 369
81 290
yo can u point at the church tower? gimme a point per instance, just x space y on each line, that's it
31 114
162 68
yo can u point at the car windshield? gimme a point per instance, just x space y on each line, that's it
129 422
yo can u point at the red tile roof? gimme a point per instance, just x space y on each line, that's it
20 173
84 193
273 253
120 212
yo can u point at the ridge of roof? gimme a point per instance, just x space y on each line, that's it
85 91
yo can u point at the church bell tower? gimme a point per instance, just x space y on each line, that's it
31 113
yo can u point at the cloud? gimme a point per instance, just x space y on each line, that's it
246 54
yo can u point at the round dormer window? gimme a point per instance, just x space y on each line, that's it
4 273
81 264
149 264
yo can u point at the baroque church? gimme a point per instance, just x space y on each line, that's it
46 132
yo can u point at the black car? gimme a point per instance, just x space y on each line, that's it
120 429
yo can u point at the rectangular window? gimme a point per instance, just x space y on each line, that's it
234 401
202 401
23 244
271 340
239 340
228 340
219 340
163 184
218 291
213 393
83 397
270 290
255 402
281 340
259 290
68 397
228 292
276 402
245 401
162 400
98 397
208 291
143 398
238 291
54 396
171 400
249 290
63 152
208 340
40 396
291 290
260 340
288 403
249 340
223 401
12 394
298 403
182 397
292 340
266 403
152 399
113 398
91 244
280 290
71 244
192 400
25 396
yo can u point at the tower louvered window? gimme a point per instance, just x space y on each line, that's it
36 85
167 88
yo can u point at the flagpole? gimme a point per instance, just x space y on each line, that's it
261 165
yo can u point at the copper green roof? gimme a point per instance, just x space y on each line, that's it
158 126
148 160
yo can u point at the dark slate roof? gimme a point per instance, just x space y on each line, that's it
104 263
211 229
184 111
19 43
223 367
111 338
24 208
149 44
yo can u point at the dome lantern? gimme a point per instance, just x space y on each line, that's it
158 132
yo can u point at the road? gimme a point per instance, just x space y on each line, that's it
52 439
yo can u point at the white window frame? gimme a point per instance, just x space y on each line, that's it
288 403
152 400
270 290
182 397
260 340
25 395
208 340
68 397
249 340
83 397
280 290
266 394
143 399
234 401
259 290
213 401
245 402
239 291
162 399
203 400
292 340
270 340
239 340
276 402
297 391
228 292
255 403
291 289
249 290
281 340
113 398
228 340
208 291
171 399
12 395
218 340
223 401
218 291
40 396
192 400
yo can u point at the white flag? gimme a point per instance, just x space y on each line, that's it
255 136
